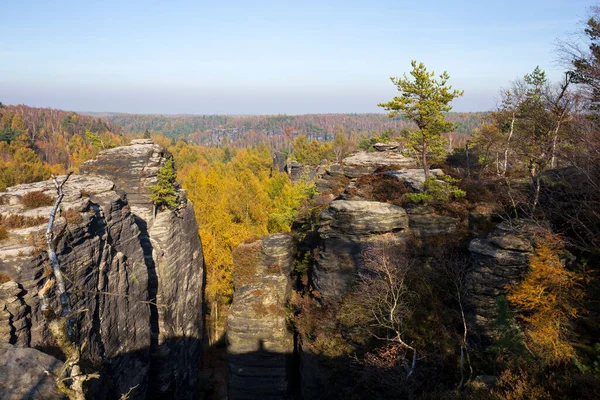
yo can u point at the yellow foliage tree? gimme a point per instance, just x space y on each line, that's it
547 299
233 202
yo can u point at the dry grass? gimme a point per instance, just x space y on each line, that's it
262 311
73 216
383 188
36 199
15 221
3 233
4 278
246 258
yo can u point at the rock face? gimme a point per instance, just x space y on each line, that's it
24 377
498 260
139 277
99 252
391 146
366 163
260 346
347 229
132 169
337 176
425 222
15 315
173 255
414 178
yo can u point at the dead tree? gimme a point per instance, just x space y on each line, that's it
71 378
385 292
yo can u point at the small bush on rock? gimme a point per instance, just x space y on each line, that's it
36 199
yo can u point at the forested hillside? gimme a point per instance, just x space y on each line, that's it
418 253
35 142
274 129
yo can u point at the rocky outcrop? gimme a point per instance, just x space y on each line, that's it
391 146
139 276
337 176
15 315
133 169
297 171
173 255
425 222
347 229
364 163
414 178
498 260
28 374
103 263
260 345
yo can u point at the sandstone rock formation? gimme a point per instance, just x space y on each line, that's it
337 176
15 315
498 260
138 276
414 177
260 346
363 163
173 255
347 229
27 374
391 146
425 222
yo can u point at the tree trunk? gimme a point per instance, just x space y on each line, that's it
510 134
468 163
424 156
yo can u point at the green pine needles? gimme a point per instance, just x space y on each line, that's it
163 193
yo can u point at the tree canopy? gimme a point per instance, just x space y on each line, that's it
425 101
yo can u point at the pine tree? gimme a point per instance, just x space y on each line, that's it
425 101
163 193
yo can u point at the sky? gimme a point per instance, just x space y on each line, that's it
269 57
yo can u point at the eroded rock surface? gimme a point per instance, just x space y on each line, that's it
260 345
425 222
27 374
414 177
99 252
498 260
138 275
347 229
132 169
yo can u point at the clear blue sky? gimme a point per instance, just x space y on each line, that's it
268 57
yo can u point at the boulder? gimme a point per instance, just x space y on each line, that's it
391 146
414 178
28 374
348 218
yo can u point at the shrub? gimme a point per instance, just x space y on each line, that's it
15 221
437 192
3 233
381 188
4 278
163 193
73 216
36 199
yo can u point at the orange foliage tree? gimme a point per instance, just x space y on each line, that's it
547 299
